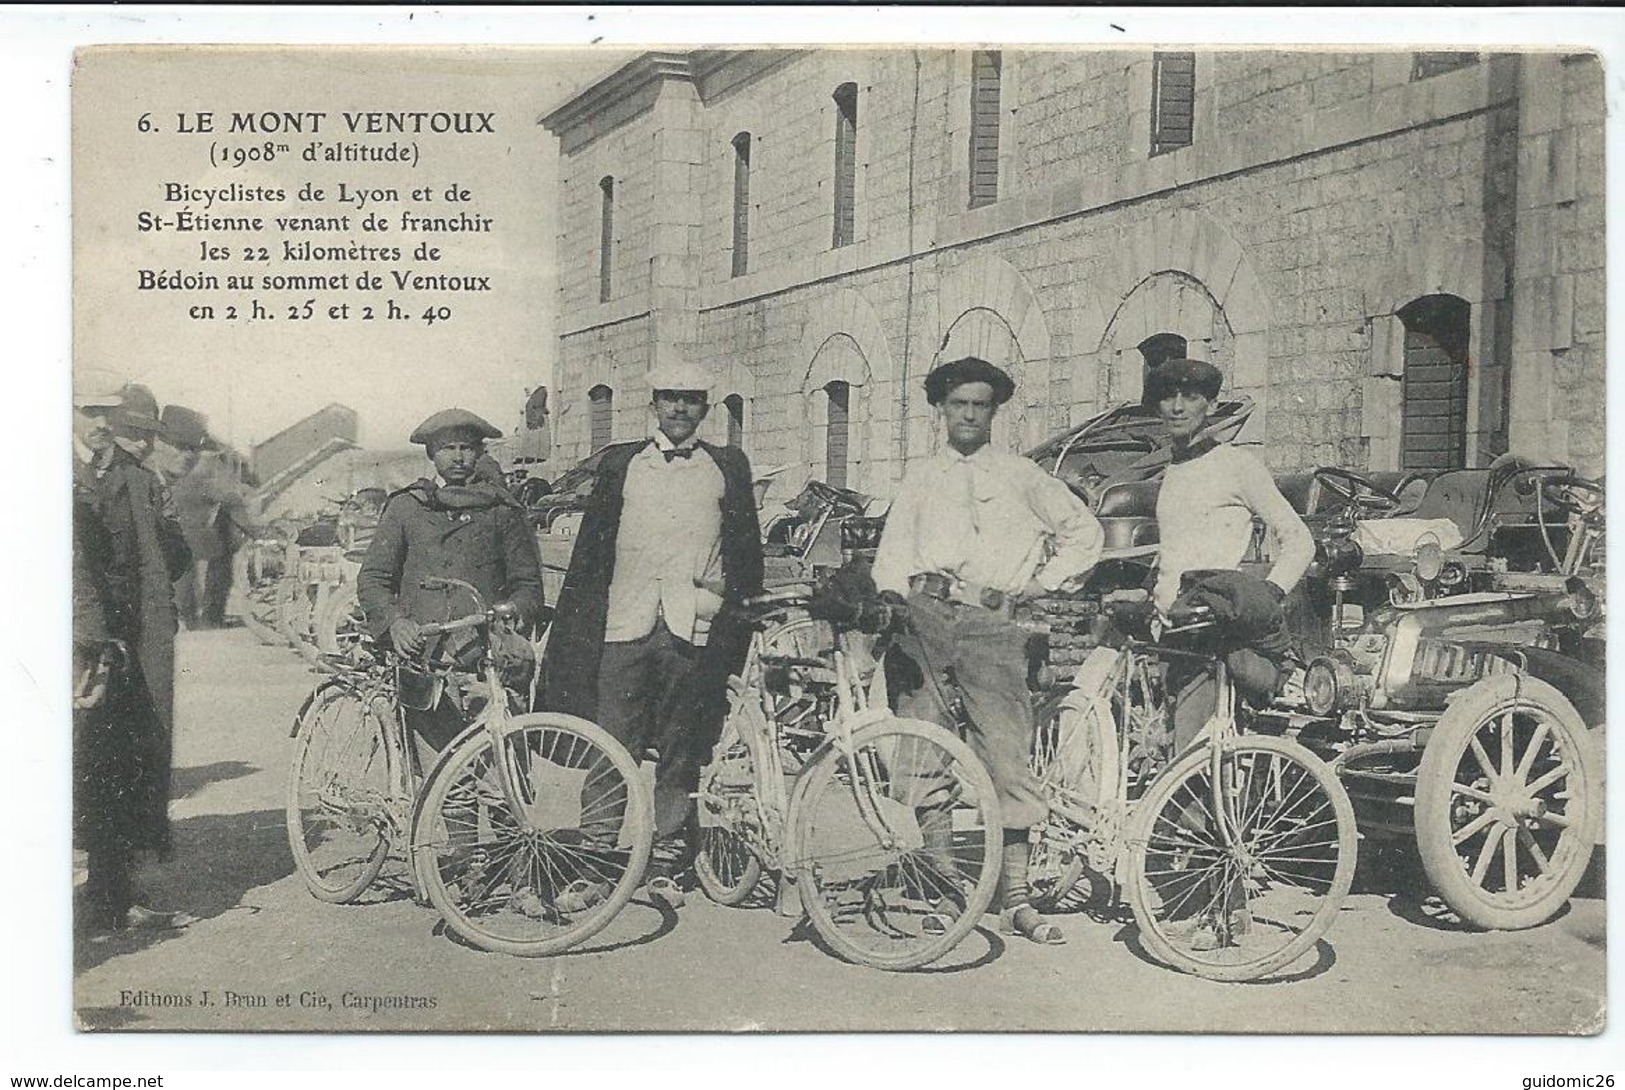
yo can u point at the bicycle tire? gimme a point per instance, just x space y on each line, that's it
837 853
727 866
1076 759
310 752
1166 830
564 754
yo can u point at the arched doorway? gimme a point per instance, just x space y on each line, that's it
1433 397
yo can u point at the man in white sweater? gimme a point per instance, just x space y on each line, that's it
1205 509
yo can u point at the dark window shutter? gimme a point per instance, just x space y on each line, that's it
1433 396
741 250
601 408
1424 65
846 163
986 67
735 405
1173 100
836 435
606 236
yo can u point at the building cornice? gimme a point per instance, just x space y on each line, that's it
619 85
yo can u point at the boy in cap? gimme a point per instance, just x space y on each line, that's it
455 526
973 534
1209 497
640 643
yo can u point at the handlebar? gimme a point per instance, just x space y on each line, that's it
797 595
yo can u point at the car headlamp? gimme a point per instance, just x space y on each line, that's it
1452 574
1429 559
1327 685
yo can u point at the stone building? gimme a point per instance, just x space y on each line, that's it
1398 256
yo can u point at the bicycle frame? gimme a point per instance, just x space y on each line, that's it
1100 824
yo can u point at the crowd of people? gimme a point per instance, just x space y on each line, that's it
648 626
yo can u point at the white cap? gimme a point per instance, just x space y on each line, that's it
673 372
96 388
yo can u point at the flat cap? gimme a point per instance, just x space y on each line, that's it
96 388
944 378
1172 376
672 372
137 410
449 419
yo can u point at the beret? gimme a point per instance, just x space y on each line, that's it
954 373
446 419
1171 376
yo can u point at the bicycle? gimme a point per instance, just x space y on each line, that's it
884 831
528 834
1234 856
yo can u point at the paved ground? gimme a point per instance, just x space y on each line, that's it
1393 962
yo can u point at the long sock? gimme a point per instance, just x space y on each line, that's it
1013 873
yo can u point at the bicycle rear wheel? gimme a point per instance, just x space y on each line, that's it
1076 759
1243 903
552 875
898 841
338 784
727 865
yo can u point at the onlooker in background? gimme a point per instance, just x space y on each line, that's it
212 507
127 551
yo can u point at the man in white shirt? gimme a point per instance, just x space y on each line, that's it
1205 509
640 642
972 536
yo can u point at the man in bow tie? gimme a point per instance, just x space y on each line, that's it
642 643
973 535
455 526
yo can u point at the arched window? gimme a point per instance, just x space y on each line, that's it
985 69
1433 396
836 442
734 406
741 260
601 409
606 235
1157 350
846 163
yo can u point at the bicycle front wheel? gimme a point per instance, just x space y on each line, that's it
1076 759
897 842
552 873
1235 880
338 785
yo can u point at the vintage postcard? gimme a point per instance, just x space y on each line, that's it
982 537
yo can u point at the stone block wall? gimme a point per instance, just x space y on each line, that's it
1323 192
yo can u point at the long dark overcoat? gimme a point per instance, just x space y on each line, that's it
576 645
127 550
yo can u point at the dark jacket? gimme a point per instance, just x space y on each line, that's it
575 647
210 506
127 548
477 533
147 553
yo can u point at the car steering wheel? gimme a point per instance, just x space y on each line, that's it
1575 495
1357 490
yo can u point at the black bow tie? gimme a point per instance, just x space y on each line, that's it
678 452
